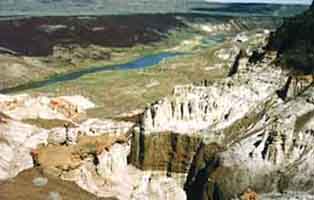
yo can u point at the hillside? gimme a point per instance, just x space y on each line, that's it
294 42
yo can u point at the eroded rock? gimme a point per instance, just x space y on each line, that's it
275 155
90 127
193 108
17 141
24 106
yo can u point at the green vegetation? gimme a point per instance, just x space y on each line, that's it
118 92
23 70
123 91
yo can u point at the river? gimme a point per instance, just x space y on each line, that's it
140 63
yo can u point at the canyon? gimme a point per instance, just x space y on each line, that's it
194 144
247 133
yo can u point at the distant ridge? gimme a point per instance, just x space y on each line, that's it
123 7
258 3
250 9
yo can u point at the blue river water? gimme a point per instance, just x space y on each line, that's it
140 63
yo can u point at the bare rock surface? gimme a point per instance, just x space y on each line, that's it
17 141
98 163
193 108
253 129
249 136
271 152
23 106
90 127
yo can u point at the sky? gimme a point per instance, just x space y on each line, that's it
268 1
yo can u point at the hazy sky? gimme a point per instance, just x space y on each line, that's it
268 1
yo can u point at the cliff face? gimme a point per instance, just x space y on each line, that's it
192 109
16 141
247 135
294 42
175 151
172 130
273 156
93 153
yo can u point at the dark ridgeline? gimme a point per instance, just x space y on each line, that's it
294 41
37 36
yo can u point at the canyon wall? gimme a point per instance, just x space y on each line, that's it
233 134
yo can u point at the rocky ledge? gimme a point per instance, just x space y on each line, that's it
194 108
250 131
92 153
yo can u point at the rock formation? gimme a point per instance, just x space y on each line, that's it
273 156
23 106
194 108
93 153
90 127
16 142
18 139
247 134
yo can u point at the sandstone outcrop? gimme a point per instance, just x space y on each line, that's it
108 174
100 147
272 154
233 134
23 106
174 157
188 127
93 153
194 108
275 147
16 142
247 136
90 127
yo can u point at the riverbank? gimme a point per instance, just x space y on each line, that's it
140 63
208 43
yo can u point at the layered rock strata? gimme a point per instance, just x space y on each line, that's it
274 156
247 135
193 108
